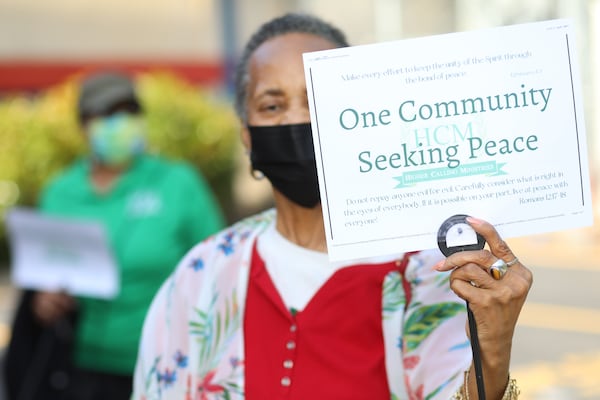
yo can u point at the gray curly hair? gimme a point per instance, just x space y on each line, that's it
288 23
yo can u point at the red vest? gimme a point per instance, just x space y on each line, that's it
333 349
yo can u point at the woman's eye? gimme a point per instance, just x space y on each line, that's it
270 107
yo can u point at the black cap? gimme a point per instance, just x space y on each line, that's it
99 93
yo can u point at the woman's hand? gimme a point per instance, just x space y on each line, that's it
495 298
48 307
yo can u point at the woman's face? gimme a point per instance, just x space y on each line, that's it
276 88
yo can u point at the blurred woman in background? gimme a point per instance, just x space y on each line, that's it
153 211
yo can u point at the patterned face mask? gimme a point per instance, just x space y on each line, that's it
117 139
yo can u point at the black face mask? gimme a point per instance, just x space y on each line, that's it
285 155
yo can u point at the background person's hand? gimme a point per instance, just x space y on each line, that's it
495 303
48 307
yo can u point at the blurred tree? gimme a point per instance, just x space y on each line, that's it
40 136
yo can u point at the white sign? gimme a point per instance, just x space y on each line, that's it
486 123
52 253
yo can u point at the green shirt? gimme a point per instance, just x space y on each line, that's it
155 212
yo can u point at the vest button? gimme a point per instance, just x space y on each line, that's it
288 364
286 381
290 345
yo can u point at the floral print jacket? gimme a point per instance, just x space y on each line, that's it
192 340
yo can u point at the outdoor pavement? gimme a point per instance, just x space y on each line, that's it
556 351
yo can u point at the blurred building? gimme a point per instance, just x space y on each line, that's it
41 43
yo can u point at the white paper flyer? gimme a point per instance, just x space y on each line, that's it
58 254
487 123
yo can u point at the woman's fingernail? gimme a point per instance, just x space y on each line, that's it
438 266
474 221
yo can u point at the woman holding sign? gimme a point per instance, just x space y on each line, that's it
259 312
